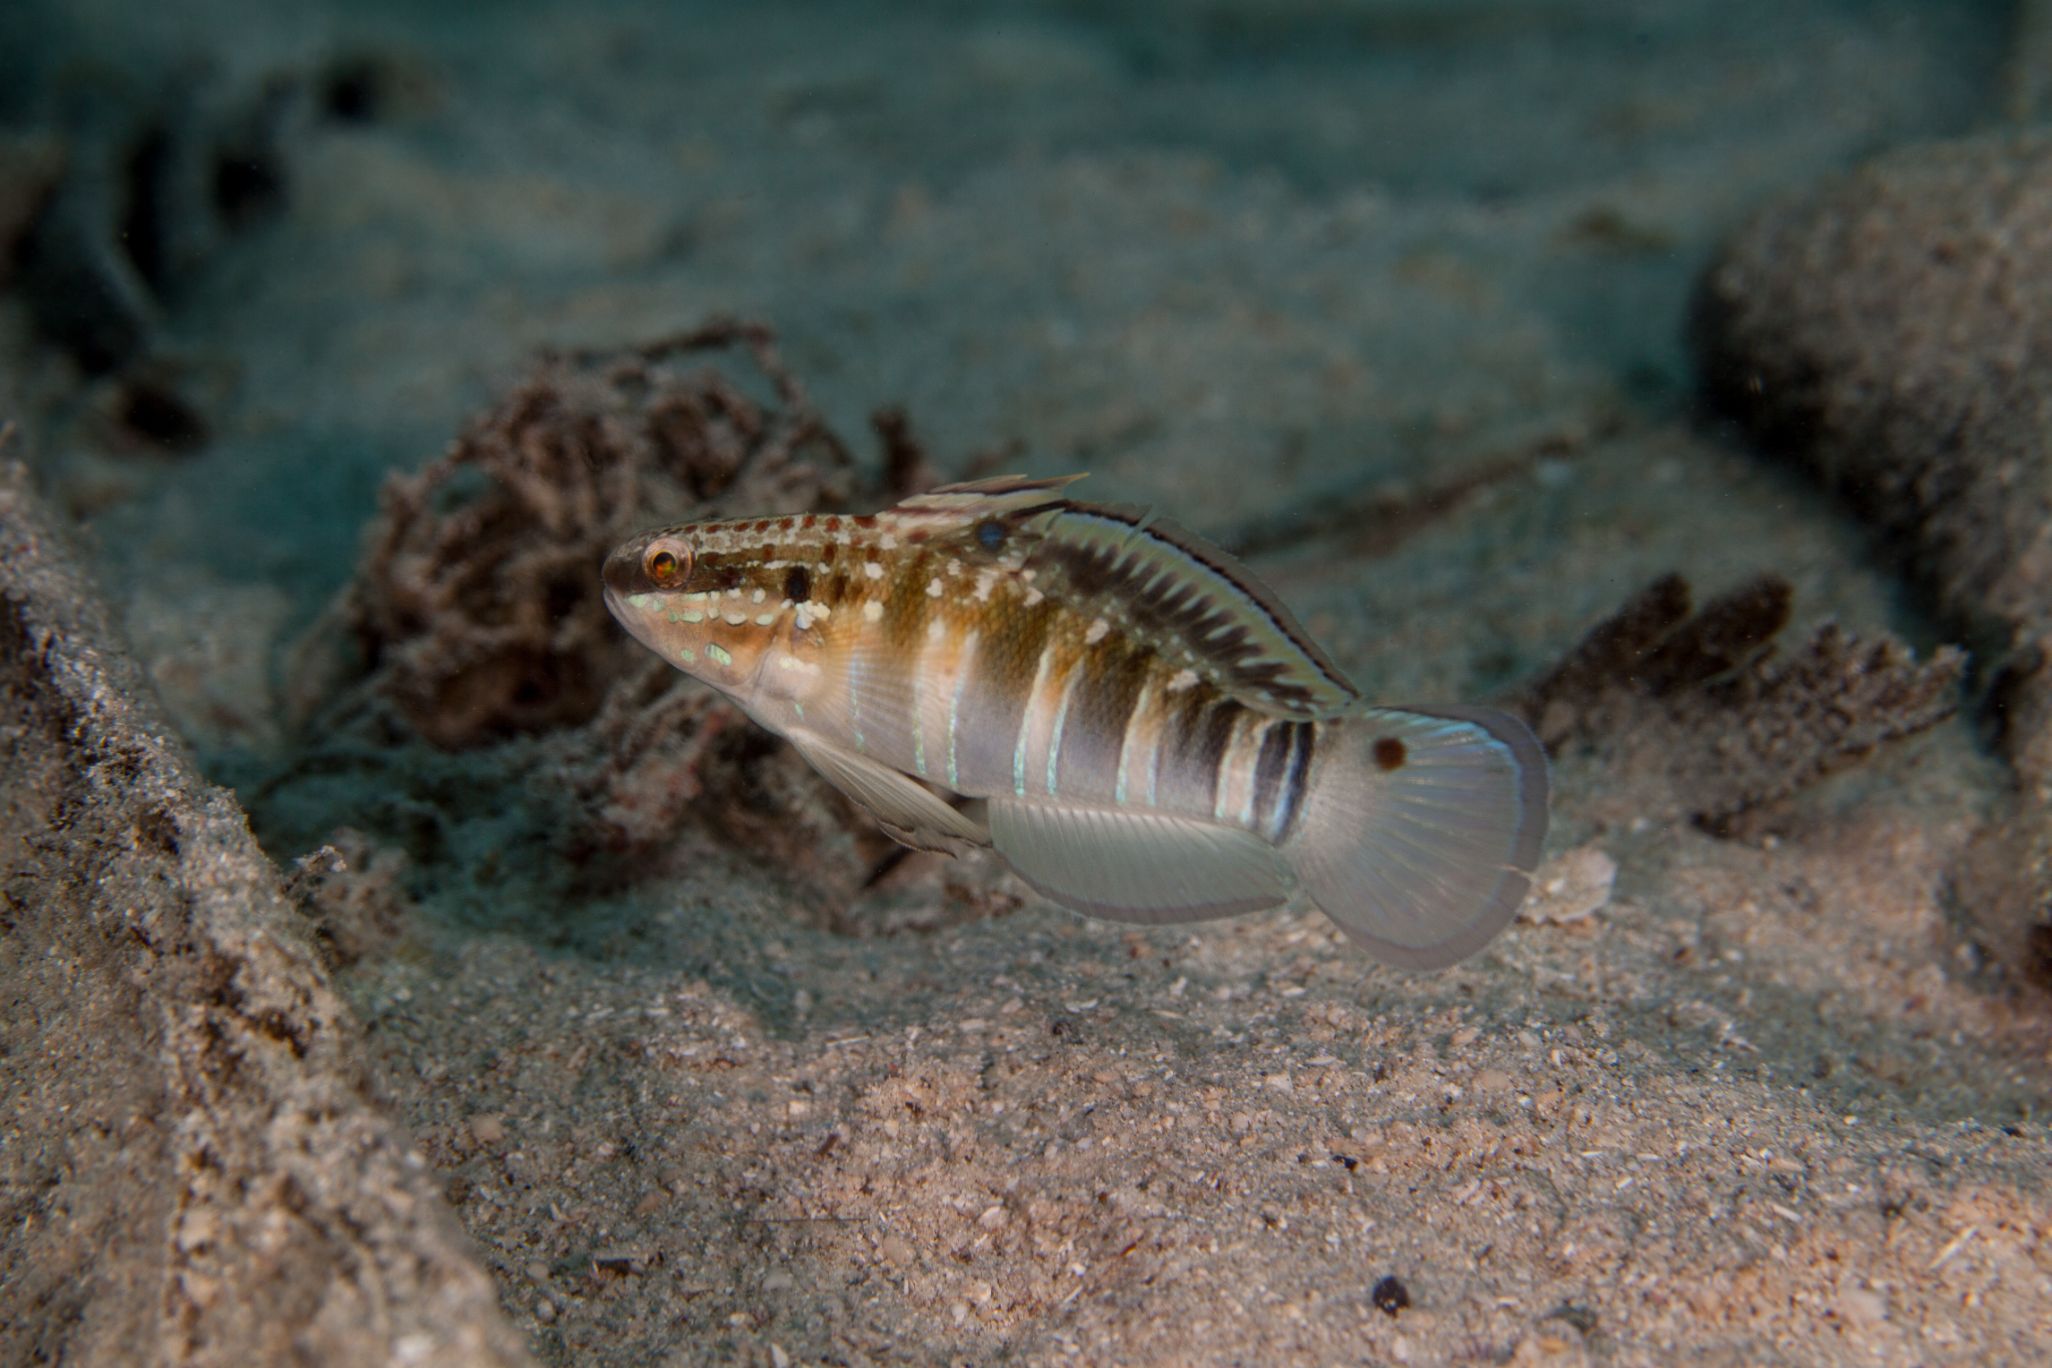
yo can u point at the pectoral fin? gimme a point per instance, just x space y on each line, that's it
1137 866
909 812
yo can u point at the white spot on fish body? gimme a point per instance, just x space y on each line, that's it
734 617
757 596
1126 741
872 611
1025 720
765 619
1061 721
1097 632
872 569
1181 680
1033 596
963 662
933 587
720 654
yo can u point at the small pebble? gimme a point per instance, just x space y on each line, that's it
1572 885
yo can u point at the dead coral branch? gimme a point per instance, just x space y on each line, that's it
477 606
1691 713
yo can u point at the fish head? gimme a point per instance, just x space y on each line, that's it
708 608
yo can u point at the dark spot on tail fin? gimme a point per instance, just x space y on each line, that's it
1390 753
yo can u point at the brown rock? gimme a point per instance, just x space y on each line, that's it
192 1170
1892 331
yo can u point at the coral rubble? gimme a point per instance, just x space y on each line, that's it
1693 712
477 605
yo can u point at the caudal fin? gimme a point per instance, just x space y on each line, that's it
1420 827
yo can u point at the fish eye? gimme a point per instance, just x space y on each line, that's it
665 566
991 533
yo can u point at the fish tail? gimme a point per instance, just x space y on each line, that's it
1420 827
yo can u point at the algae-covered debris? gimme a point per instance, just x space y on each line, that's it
352 894
477 606
477 619
1692 712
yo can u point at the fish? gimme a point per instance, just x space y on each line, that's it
1133 722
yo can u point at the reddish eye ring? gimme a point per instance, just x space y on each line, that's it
664 567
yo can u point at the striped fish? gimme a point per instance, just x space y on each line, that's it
1151 735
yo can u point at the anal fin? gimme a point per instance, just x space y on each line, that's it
1137 866
909 812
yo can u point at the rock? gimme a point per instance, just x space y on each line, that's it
1891 331
1572 885
193 1170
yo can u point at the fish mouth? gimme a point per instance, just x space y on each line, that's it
628 619
635 622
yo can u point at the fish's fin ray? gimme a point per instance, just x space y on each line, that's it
997 496
908 811
1137 866
1420 828
1196 602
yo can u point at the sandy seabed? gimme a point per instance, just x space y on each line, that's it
1769 1096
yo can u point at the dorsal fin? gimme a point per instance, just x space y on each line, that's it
1178 593
1191 601
998 496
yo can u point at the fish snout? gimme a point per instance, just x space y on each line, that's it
623 574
